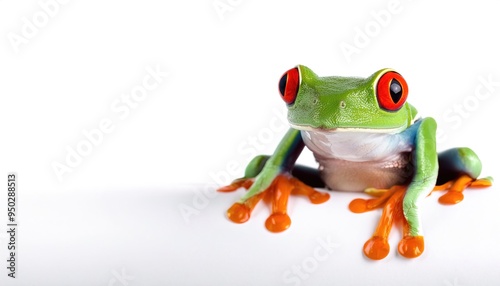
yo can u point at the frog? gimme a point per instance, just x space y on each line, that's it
365 137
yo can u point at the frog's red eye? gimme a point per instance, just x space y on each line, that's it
289 85
392 91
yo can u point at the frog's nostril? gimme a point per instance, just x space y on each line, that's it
289 85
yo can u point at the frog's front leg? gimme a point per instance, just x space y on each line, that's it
425 161
270 178
459 168
402 202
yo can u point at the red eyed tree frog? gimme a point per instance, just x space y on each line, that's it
365 137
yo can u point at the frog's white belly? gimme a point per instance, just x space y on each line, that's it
354 161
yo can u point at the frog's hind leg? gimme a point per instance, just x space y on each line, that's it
309 176
459 168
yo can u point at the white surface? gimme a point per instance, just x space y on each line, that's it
86 238
119 207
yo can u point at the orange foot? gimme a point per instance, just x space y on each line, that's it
378 247
456 187
391 200
277 194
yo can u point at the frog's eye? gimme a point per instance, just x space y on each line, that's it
392 91
289 85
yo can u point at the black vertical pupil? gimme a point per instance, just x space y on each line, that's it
396 90
282 84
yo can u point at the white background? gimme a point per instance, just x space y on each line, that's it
118 210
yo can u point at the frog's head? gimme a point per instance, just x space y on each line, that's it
377 103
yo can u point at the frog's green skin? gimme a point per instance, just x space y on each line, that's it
359 144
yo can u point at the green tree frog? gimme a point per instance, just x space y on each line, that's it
365 137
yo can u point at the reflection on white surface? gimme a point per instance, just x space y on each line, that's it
140 237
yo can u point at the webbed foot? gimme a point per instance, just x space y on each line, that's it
277 195
392 202
455 188
377 247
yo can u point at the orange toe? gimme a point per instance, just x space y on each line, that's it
376 248
278 222
451 198
411 246
239 213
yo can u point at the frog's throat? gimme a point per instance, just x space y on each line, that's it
351 129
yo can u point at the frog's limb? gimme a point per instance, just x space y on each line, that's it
425 162
362 205
283 158
269 177
391 199
459 168
307 175
378 247
251 171
410 246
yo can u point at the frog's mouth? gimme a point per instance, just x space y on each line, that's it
349 129
397 129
